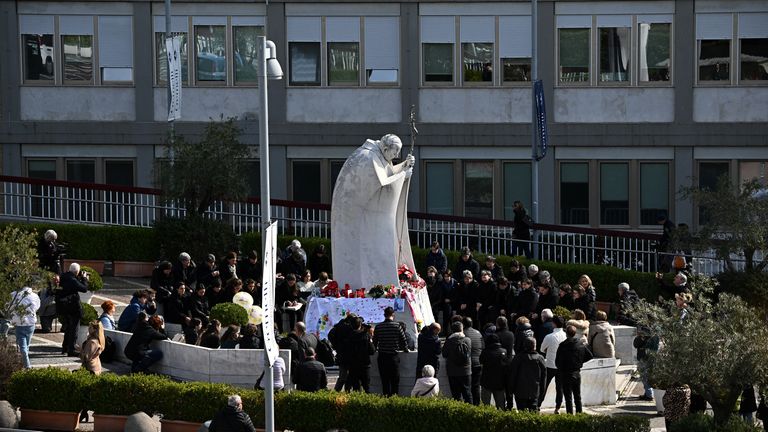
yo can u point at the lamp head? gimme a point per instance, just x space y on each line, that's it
274 70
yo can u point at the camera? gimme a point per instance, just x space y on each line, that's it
83 275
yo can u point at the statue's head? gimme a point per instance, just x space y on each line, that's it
390 146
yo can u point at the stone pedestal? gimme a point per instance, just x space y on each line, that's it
625 351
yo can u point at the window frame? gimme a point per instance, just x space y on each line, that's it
233 33
162 83
714 83
631 59
54 60
559 193
348 84
453 80
289 56
463 69
636 46
590 68
670 189
739 80
94 63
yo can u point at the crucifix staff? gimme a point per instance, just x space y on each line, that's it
414 131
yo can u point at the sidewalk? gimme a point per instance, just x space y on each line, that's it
45 350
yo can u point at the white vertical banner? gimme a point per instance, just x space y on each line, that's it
268 293
173 48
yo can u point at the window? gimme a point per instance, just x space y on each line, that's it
438 62
709 175
210 53
343 63
304 58
80 201
161 59
654 191
38 57
245 52
754 59
614 194
439 187
307 181
116 49
382 50
574 193
478 189
714 60
615 50
516 69
517 186
478 62
655 58
46 170
515 48
120 173
78 58
753 170
574 55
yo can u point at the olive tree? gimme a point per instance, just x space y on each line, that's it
735 221
717 348
18 267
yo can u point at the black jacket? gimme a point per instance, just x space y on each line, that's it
521 228
437 260
248 270
339 336
231 420
507 339
187 275
471 264
457 352
318 264
527 374
521 333
494 361
311 376
360 349
198 308
68 297
175 309
428 350
465 294
571 355
143 335
586 306
476 344
486 293
526 302
162 284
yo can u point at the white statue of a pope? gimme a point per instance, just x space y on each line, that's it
369 232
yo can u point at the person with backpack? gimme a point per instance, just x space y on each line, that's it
428 352
457 352
358 357
338 336
527 375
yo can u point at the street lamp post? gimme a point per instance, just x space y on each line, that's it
534 149
268 67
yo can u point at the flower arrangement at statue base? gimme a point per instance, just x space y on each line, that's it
409 282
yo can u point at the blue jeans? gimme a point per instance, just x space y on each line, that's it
23 338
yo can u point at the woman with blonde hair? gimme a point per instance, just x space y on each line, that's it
579 321
586 283
92 348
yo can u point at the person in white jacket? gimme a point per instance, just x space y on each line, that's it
24 305
427 385
549 349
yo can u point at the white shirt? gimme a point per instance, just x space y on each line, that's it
278 369
26 301
549 346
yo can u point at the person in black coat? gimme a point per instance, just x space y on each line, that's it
358 359
250 337
207 271
527 374
477 345
466 262
494 361
428 348
503 293
175 307
250 268
486 298
138 348
492 266
465 296
319 261
526 300
68 306
162 281
228 267
447 285
506 337
197 305
232 418
311 375
582 301
49 253
457 351
339 336
522 230
185 271
571 356
436 258
214 292
523 330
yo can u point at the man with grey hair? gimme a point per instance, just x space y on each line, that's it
232 418
627 297
48 252
184 271
679 283
68 306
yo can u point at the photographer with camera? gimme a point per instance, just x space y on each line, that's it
49 252
68 306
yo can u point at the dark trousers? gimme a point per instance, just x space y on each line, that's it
447 311
477 372
460 387
527 404
389 370
571 382
148 359
522 248
552 373
359 376
69 324
342 379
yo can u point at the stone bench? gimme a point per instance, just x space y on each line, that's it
238 367
598 380
625 351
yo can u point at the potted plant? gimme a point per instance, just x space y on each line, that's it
229 313
89 315
50 398
95 284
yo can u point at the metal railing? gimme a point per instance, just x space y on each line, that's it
58 201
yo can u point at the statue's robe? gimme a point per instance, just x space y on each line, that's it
369 232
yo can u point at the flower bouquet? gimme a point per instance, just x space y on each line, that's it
330 290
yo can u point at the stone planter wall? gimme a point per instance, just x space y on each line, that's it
133 268
49 420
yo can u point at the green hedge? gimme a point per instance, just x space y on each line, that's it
95 282
230 313
298 411
706 423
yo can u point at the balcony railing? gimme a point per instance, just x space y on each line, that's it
68 202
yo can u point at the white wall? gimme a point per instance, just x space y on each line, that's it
475 105
743 104
77 103
203 103
330 105
614 105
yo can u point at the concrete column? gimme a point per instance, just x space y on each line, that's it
276 32
143 61
546 72
10 78
684 60
409 87
684 170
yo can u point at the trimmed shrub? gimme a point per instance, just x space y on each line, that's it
706 423
194 402
230 313
751 286
51 389
89 314
196 235
127 394
10 362
95 282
